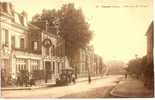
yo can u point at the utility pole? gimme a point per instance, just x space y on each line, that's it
87 65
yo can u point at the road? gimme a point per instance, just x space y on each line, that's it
97 88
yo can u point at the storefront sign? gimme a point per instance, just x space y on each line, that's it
47 43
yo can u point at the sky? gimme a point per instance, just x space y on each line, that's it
119 26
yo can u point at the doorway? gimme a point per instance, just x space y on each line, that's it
47 71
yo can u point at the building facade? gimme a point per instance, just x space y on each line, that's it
86 62
14 34
24 46
150 41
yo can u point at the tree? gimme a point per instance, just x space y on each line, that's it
148 72
74 29
134 66
71 24
46 20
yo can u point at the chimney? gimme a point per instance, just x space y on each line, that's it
24 18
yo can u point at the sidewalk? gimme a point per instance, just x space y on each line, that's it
131 88
49 84
29 87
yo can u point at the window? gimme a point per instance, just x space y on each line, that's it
22 43
13 41
5 36
52 48
53 67
5 7
56 51
58 67
35 45
22 20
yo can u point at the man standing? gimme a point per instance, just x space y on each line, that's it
89 79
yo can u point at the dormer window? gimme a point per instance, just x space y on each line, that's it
24 18
17 20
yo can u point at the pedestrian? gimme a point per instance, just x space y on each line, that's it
126 75
31 80
73 78
89 79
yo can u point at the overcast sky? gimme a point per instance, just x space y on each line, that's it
119 25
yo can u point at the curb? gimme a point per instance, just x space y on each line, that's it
41 86
22 88
129 96
112 91
116 95
27 88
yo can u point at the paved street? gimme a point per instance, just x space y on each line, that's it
98 88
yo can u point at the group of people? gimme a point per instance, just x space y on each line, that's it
23 78
68 77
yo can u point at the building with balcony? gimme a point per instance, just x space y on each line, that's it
24 46
13 37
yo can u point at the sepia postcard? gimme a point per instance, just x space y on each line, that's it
76 49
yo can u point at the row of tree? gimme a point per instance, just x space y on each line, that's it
141 69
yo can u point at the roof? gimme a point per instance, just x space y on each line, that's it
150 28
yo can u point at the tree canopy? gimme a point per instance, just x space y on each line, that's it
69 23
134 66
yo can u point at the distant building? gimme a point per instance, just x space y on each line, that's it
150 41
87 62
79 62
98 65
149 70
